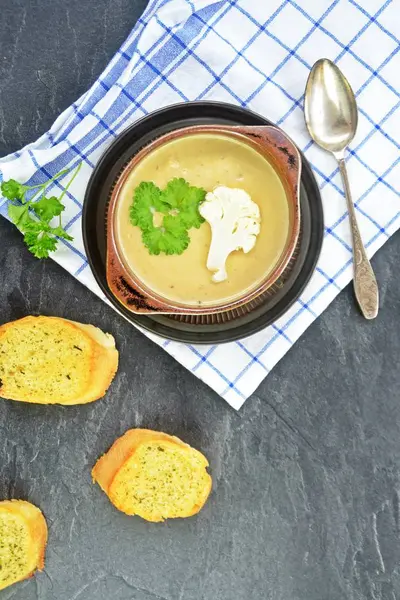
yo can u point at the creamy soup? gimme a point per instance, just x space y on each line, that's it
206 160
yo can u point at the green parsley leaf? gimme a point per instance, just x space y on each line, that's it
146 201
47 208
41 246
179 202
160 239
19 215
184 200
189 210
12 190
61 233
174 225
39 239
35 228
175 192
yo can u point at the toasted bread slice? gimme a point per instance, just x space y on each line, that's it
154 475
49 360
23 538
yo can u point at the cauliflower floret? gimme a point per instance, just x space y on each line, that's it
235 223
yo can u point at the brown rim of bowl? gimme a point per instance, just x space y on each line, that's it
280 152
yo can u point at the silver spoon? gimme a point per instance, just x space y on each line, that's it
331 117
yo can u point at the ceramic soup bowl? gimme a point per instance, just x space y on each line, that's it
138 293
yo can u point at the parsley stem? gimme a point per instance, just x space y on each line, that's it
70 181
38 185
59 174
38 192
43 186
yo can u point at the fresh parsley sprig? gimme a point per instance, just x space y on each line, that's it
40 235
178 205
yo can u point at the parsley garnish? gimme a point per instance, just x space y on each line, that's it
39 235
178 206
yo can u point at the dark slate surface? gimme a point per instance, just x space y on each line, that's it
305 503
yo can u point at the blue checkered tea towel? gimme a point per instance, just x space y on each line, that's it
254 53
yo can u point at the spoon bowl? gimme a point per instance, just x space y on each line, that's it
330 107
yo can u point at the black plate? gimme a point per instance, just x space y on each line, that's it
95 209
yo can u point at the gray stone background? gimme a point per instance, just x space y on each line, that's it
305 502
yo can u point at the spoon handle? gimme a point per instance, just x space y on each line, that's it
365 285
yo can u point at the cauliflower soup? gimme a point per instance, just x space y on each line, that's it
206 161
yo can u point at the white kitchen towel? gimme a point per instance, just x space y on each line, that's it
254 53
